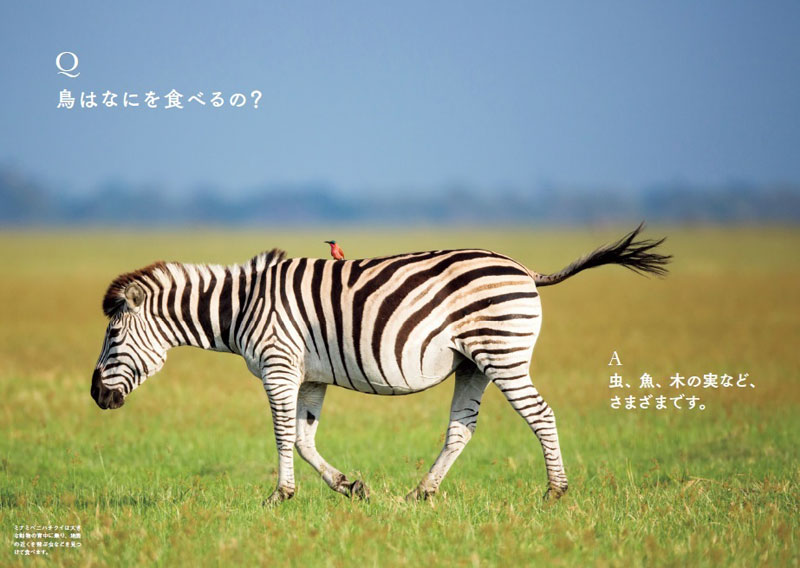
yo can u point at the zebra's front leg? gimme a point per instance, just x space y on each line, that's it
309 409
282 389
469 387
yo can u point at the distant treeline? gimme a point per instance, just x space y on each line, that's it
25 202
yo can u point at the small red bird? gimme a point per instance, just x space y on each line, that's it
336 250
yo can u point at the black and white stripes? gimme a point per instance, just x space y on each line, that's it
386 326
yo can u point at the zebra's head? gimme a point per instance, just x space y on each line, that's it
133 348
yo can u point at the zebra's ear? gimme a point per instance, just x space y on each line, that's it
134 295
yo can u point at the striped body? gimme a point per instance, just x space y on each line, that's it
386 326
395 325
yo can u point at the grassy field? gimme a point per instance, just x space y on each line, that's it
177 476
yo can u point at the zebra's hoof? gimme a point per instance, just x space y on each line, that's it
280 495
420 494
554 494
358 490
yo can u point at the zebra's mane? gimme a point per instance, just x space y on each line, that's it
114 299
267 258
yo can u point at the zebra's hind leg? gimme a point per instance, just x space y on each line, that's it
309 408
529 404
470 384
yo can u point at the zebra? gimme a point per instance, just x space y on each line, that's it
393 325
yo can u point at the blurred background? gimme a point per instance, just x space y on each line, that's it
411 114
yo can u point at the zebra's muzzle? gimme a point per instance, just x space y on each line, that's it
104 397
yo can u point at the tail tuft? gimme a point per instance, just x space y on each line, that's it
633 255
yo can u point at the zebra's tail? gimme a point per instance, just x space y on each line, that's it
634 255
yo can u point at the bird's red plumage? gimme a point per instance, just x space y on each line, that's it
336 251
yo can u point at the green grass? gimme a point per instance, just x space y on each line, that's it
177 476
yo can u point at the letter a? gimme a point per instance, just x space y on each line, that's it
615 357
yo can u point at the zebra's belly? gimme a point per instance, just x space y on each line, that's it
371 378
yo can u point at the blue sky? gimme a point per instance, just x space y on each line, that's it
408 96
